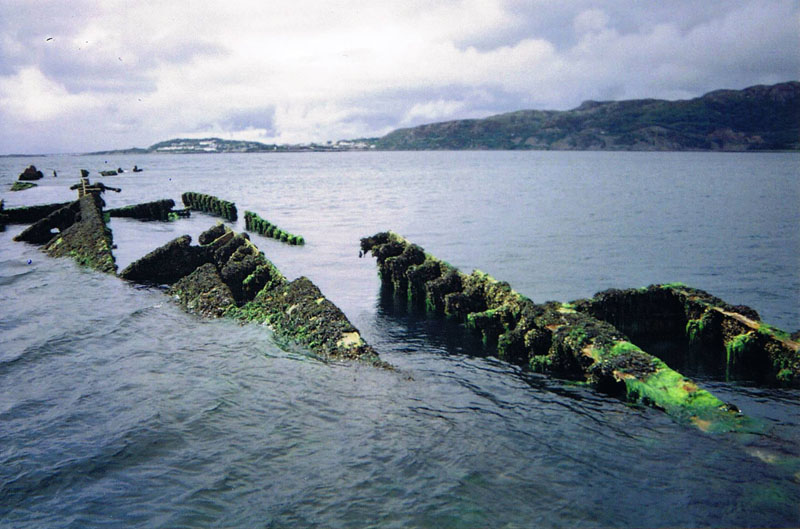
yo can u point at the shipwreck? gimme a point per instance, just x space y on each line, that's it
225 275
595 340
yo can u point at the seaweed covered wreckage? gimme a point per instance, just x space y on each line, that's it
22 186
27 214
253 222
585 340
597 340
76 230
225 275
162 210
210 204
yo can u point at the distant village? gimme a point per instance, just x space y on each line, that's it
216 145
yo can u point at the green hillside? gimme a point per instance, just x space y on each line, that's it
756 118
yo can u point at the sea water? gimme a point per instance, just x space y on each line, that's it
119 409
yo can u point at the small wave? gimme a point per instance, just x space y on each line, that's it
10 279
72 472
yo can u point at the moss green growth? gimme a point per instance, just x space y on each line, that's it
22 186
255 223
676 284
736 349
623 347
681 398
774 332
567 308
559 338
541 363
697 327
210 204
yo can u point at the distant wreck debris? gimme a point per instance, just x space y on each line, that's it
255 223
85 187
22 186
580 340
161 210
226 275
30 173
210 204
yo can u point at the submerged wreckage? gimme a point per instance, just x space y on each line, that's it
595 340
225 275
601 340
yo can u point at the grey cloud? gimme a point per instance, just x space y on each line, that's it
113 65
263 118
553 21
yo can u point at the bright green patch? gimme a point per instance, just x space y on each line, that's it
681 398
577 336
474 319
567 308
738 346
622 347
696 328
773 332
540 363
253 222
250 311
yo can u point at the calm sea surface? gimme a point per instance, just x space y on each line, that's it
119 409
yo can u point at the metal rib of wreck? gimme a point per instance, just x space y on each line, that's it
162 210
556 337
226 275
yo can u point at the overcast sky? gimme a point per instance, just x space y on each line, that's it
79 76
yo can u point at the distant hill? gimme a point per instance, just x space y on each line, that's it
756 118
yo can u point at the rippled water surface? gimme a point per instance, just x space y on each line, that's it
118 409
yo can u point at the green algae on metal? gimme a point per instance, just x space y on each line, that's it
253 222
556 338
227 276
732 337
210 204
86 239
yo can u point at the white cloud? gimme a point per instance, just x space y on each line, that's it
590 21
432 111
30 96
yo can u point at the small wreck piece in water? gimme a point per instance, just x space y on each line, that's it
30 173
162 210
